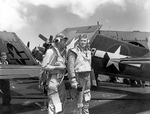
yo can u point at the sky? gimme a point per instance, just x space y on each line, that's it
29 18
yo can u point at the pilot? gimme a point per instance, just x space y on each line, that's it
79 69
5 86
54 63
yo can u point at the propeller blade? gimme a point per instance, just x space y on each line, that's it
50 39
43 37
28 44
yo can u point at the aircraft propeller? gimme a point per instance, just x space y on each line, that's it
43 37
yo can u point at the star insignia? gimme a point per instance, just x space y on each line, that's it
115 55
18 56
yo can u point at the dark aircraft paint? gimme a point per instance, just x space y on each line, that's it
104 49
18 57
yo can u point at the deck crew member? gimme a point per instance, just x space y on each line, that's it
5 86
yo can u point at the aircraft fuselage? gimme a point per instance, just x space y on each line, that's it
104 49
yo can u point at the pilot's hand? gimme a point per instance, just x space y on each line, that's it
49 68
60 67
74 83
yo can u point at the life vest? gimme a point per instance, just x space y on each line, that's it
57 59
83 60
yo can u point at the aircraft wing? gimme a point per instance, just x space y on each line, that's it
74 32
24 64
18 53
137 60
128 36
19 71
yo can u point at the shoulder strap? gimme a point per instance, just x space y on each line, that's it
54 57
56 51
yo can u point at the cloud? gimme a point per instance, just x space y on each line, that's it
13 13
10 18
82 8
147 5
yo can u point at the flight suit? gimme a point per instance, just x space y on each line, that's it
79 68
55 85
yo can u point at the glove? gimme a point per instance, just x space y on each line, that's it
74 83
